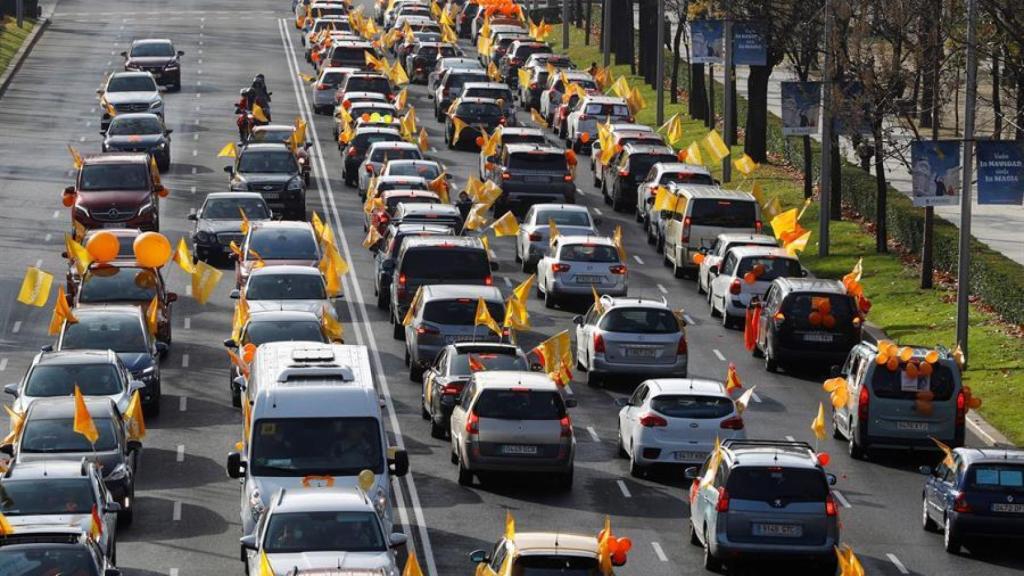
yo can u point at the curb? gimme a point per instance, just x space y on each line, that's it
26 47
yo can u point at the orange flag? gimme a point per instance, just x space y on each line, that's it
732 380
83 420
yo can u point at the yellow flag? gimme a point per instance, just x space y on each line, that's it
397 75
784 223
483 317
134 419
716 145
460 125
664 200
318 224
490 147
423 141
635 100
473 187
693 155
83 423
537 118
244 225
958 356
16 422
773 208
204 281
946 451
153 315
510 526
516 315
617 240
228 151
332 326
78 255
621 87
524 76
372 237
552 232
507 225
61 313
486 243
412 307
439 186
446 19
265 568
849 564
307 78
76 158
258 113
402 99
374 62
604 551
673 129
5 527
522 291
183 257
448 35
712 470
758 193
332 277
488 194
476 218
598 306
493 73
818 424
744 400
799 244
239 318
412 566
408 123
35 288
745 164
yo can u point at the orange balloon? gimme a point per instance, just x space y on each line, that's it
824 458
103 246
814 318
479 141
681 156
906 353
623 544
758 269
152 250
882 359
829 321
911 370
925 369
248 352
749 278
68 200
974 403
585 137
893 364
825 306
698 258
924 408
365 117
931 357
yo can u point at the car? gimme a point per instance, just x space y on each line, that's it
383 184
713 255
973 496
516 55
664 174
675 421
533 238
542 552
286 288
531 174
427 213
447 374
125 254
325 26
119 190
273 170
745 274
537 65
444 314
511 421
284 134
424 55
380 217
889 409
128 283
511 135
620 138
449 86
624 174
501 38
464 23
379 154
430 260
121 329
701 214
386 254
158 57
273 243
47 435
786 329
125 92
479 116
57 493
444 64
330 529
219 219
411 169
140 132
576 266
348 54
496 91
550 94
766 499
55 550
372 114
368 82
348 99
593 109
354 152
325 87
630 337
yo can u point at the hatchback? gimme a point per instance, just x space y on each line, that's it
745 273
286 288
273 170
386 254
478 116
623 176
533 239
354 151
276 244
713 256
531 174
95 372
124 283
576 266
380 217
379 154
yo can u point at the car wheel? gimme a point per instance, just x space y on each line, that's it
711 563
770 363
236 397
518 258
636 470
660 248
407 362
415 372
126 516
856 451
700 287
437 429
538 291
649 234
621 446
950 541
694 539
154 408
596 181
836 433
927 523
727 321
711 302
677 271
164 161
398 331
593 380
465 475
529 266
382 299
564 481
549 298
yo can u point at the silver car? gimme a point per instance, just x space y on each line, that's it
378 155
513 422
288 287
532 240
577 266
630 337
325 88
444 315
95 372
129 92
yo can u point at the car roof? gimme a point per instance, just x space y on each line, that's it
555 543
73 357
522 131
376 129
280 225
770 453
522 147
645 147
439 209
601 99
561 207
118 158
491 85
152 41
412 161
756 251
477 100
52 408
273 127
500 379
818 285
323 500
282 316
409 193
451 291
456 70
394 145
402 229
746 237
341 69
107 310
493 347
286 270
433 241
994 455
633 302
706 191
40 469
702 386
564 239
252 195
130 74
264 146
398 179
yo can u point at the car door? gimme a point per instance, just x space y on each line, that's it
523 234
720 283
628 416
582 334
430 377
854 372
458 419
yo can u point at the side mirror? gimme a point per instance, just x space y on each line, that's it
168 131
835 371
713 270
235 294
397 540
229 343
112 507
135 385
571 403
926 470
804 272
307 145
621 402
248 542
577 320
228 169
192 217
99 90
494 265
124 54
240 382
46 348
11 389
831 479
69 191
181 52
479 556
691 473
400 463
235 466
536 367
134 446
162 349
161 190
388 265
172 297
7 449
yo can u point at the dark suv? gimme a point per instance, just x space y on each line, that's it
531 174
66 549
272 170
158 57
628 169
386 254
140 132
120 190
354 152
516 56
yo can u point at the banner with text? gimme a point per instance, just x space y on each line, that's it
706 42
1000 175
749 47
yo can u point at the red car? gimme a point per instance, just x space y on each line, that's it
116 190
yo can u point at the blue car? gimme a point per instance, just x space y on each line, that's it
975 493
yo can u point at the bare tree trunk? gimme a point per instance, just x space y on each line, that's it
1019 116
836 200
881 246
710 120
755 142
997 103
676 41
698 96
808 168
622 35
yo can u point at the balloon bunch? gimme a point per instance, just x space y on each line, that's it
839 394
892 356
754 274
617 547
821 313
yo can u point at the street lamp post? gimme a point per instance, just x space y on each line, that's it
963 272
606 32
659 85
825 185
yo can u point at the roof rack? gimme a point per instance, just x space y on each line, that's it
736 443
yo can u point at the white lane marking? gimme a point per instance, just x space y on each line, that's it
39 263
176 513
48 237
196 122
896 562
17 326
88 124
638 260
790 438
755 397
718 355
188 322
508 281
109 62
3 364
199 61
842 499
192 189
193 169
188 290
181 453
81 138
662 289
689 320
593 434
173 572
980 432
659 552
199 72
184 360
183 404
195 136
56 213
195 153
624 489
327 197
598 212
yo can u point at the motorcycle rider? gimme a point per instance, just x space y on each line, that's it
261 94
243 108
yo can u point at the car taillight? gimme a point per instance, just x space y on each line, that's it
830 506
681 347
629 119
567 177
323 87
961 405
598 344
444 92
352 152
533 85
584 117
451 389
863 401
535 237
653 421
779 318
686 229
473 424
736 287
623 172
960 504
369 169
488 280
401 280
734 423
505 175
617 269
501 120
557 268
758 225
723 500
857 320
566 424
421 330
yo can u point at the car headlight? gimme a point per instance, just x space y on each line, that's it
204 237
380 502
256 506
118 473
295 184
82 211
145 208
156 105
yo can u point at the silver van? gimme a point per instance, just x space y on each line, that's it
701 214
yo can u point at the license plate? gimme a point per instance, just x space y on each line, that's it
685 456
778 530
817 337
113 225
912 426
519 449
540 179
640 352
1011 508
584 279
270 195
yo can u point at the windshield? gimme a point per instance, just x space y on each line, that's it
598 253
133 83
459 311
447 263
799 306
694 407
127 126
50 496
275 136
897 385
58 435
120 333
383 155
228 209
354 55
522 138
284 244
109 284
417 184
560 565
48 560
285 287
478 111
149 49
271 161
61 379
490 360
332 79
686 178
295 532
525 51
380 85
304 446
284 331
132 176
723 213
454 82
603 110
538 162
993 477
776 483
640 321
520 405
426 171
774 267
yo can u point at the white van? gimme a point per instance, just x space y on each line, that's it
702 213
312 417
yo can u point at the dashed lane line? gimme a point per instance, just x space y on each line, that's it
662 289
624 489
188 322
659 552
181 453
638 259
719 355
183 404
176 512
184 360
593 434
896 562
17 326
842 499
3 364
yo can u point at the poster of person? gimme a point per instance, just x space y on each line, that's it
801 108
1000 176
748 44
706 42
852 111
935 171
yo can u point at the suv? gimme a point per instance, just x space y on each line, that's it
435 260
424 55
493 91
789 330
128 283
55 550
766 498
129 92
508 421
449 86
378 155
509 136
116 190
516 56
887 408
218 222
624 174
551 92
158 57
701 214
374 82
95 372
140 132
532 240
386 254
479 116
273 170
531 174
348 54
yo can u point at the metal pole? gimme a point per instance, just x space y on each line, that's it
565 24
729 101
590 14
826 139
963 272
659 83
19 9
606 32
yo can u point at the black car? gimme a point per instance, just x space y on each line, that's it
449 86
158 57
272 170
628 169
354 152
479 115
423 56
464 24
54 550
139 132
218 222
386 254
531 174
447 375
516 56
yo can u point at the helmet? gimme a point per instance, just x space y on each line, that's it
248 92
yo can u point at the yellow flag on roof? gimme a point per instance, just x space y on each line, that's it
524 76
35 287
153 315
460 125
818 424
483 317
423 141
265 568
183 257
77 254
516 315
537 118
412 307
693 155
17 420
61 313
507 225
397 75
598 306
332 326
522 290
258 113
745 164
510 526
552 231
83 423
476 219
134 419
5 526
716 145
621 87
204 281
228 151
673 129
76 158
493 73
372 237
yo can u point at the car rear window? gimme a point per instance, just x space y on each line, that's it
897 385
686 178
723 213
58 435
348 55
598 253
268 161
284 244
70 559
774 267
379 85
520 405
478 110
640 164
564 217
363 141
284 331
798 307
447 263
771 483
690 406
640 321
384 155
121 333
996 477
454 81
132 176
538 162
393 203
275 135
490 361
603 110
232 208
383 187
524 52
421 169
522 138
49 496
561 565
459 311
285 287
332 78
492 93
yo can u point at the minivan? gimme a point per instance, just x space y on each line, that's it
701 214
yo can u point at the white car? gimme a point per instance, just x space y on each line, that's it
576 266
325 87
675 421
443 64
532 240
425 169
731 292
621 138
129 92
722 245
379 154
551 96
592 110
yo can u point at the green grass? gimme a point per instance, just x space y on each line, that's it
907 314
11 38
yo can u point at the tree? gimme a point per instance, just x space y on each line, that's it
801 48
1007 47
680 12
622 35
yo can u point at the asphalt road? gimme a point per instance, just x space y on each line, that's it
187 518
